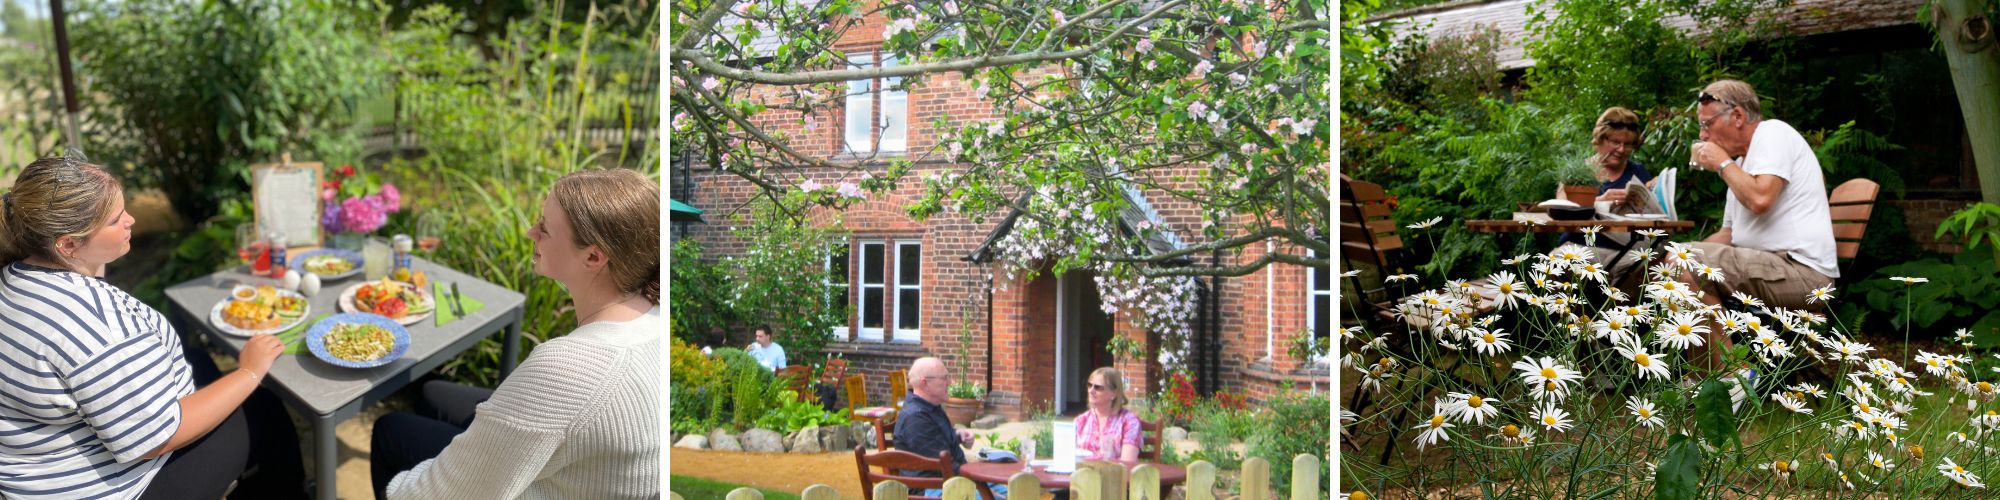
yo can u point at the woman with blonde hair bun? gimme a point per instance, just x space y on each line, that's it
580 417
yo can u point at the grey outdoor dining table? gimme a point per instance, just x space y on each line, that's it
328 394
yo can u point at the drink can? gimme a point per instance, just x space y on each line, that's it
402 244
277 253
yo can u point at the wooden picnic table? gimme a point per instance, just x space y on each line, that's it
1544 225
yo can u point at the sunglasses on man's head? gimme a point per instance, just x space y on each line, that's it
1704 98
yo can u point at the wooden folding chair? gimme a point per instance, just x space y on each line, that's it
1368 236
799 379
857 395
894 463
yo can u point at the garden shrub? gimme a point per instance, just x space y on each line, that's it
1298 423
699 294
792 414
1962 293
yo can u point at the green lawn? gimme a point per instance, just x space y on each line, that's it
691 488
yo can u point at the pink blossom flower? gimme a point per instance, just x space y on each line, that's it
1201 70
326 194
1060 19
1197 108
1145 45
850 190
899 26
710 84
392 199
809 185
361 216
1249 149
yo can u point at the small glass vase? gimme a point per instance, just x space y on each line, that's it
347 241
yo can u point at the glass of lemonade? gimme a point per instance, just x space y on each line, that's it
375 258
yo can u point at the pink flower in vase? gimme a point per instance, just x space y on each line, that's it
392 199
361 215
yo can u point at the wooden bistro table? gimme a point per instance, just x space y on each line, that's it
1530 222
330 394
999 473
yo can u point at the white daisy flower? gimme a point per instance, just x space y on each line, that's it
1433 432
1709 272
1642 410
1746 299
1399 277
1470 408
1552 418
1910 281
1682 331
1545 377
1956 473
1648 365
1350 274
1783 469
1504 289
1491 342
1876 460
1791 403
1808 388
1590 271
1683 255
1821 294
1426 224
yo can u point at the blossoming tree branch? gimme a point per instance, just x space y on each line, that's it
1215 101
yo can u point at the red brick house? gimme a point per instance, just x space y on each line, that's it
914 286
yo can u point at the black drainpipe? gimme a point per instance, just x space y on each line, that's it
1214 325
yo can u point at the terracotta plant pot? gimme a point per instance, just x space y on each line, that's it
1583 196
961 411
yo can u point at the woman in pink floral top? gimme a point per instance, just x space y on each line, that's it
1108 431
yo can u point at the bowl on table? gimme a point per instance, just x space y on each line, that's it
1572 213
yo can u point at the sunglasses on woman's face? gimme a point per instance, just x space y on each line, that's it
1099 387
1622 126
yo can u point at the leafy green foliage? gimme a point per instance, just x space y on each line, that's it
1679 475
1962 291
780 280
1713 414
794 414
1976 223
699 292
196 91
1297 427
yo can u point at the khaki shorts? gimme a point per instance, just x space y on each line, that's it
1770 276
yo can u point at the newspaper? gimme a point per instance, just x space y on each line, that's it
1641 202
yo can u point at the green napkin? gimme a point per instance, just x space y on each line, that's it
440 298
295 338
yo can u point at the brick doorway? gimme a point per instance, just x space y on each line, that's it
1083 337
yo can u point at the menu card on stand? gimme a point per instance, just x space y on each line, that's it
285 197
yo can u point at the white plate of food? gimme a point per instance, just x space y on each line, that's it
405 303
328 263
257 310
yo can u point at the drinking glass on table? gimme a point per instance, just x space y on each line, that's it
430 231
246 242
375 258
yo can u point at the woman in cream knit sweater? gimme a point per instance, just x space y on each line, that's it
580 417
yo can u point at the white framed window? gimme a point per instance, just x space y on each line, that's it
868 128
909 291
1319 307
870 302
838 280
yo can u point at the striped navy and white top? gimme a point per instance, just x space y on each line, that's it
90 381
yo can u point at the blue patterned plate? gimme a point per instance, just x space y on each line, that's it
316 342
298 262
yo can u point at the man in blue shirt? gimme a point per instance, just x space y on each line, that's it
768 354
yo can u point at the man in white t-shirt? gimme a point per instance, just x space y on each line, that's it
1776 242
768 354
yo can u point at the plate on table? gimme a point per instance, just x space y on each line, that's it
328 263
396 300
1640 217
356 340
265 309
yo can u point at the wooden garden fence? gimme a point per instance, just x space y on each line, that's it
1105 483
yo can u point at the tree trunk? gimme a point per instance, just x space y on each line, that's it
1968 41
